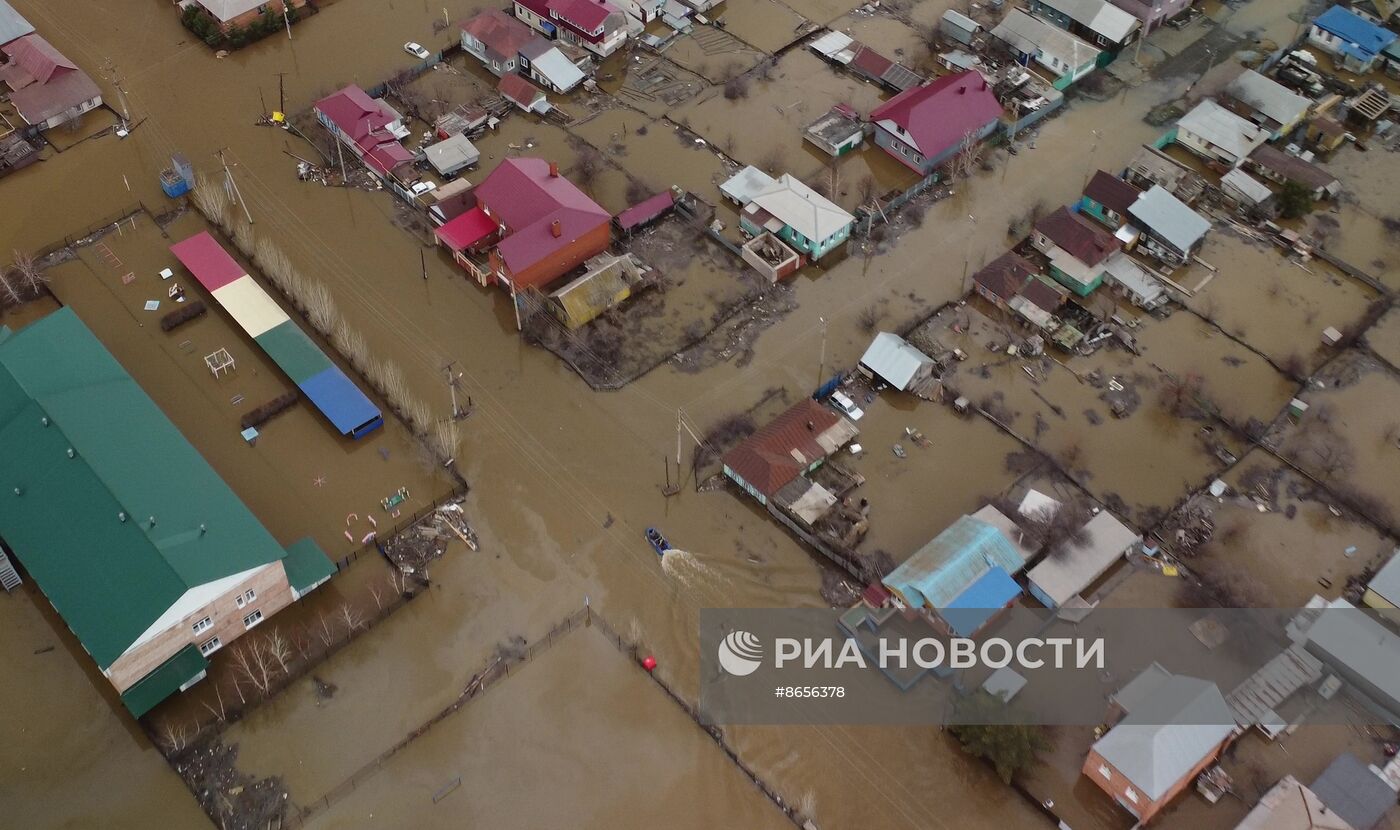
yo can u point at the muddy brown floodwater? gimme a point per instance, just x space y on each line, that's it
564 479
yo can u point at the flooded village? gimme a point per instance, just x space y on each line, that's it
386 387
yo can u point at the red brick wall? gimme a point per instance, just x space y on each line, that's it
1117 784
565 259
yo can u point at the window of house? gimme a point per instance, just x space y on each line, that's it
253 619
210 646
1105 772
203 625
245 597
1131 794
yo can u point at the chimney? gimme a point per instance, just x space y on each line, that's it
556 229
554 169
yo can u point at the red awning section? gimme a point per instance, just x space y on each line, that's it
467 230
207 260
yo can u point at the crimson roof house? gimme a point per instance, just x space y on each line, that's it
369 127
1013 283
496 38
46 88
925 125
596 25
546 226
1078 251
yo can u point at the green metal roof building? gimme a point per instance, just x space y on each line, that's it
109 508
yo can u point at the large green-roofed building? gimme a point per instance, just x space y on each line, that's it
149 557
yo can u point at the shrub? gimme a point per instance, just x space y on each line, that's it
1294 201
182 315
260 415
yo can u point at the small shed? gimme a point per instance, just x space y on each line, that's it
1246 190
770 257
959 27
1353 790
837 132
645 212
452 155
1058 579
891 359
1383 591
523 94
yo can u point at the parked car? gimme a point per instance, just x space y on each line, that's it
843 404
417 51
419 188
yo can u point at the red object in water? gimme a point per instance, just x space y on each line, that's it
649 663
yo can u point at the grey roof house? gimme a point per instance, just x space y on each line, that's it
1359 649
1172 232
1266 102
1353 791
891 359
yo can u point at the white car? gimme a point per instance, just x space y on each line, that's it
419 188
417 51
842 402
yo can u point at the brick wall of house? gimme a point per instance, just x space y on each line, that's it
564 260
248 18
273 594
1119 787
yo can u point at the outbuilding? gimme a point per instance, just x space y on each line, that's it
891 358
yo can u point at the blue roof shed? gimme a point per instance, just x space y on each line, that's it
971 609
1364 39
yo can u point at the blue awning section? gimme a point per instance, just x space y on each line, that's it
971 609
342 402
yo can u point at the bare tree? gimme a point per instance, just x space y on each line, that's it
320 308
589 166
243 236
8 287
350 618
219 714
210 199
378 600
419 416
353 345
445 439
245 669
968 155
174 737
30 276
279 648
325 630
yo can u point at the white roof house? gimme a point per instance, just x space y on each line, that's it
1173 723
1385 585
1060 578
1244 187
801 208
1145 290
1098 16
452 154
1212 130
1168 218
551 65
226 10
744 185
1051 46
835 46
1268 97
894 360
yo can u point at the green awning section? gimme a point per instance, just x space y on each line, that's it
293 351
166 680
307 565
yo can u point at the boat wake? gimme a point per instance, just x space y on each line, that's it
683 567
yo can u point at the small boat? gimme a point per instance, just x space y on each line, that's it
658 541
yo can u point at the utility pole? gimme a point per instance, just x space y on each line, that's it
821 365
233 186
340 153
423 261
452 381
110 71
286 18
281 93
967 258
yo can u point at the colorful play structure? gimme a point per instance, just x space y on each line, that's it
319 379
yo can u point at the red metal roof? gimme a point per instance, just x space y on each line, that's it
207 261
876 595
44 82
584 17
939 114
870 62
466 230
1080 239
1006 275
524 195
501 33
1045 295
34 60
646 210
518 90
766 459
363 119
1111 192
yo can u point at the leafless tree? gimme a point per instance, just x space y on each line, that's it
8 287
320 308
350 618
325 630
1055 530
279 648
419 416
245 669
398 581
219 714
243 238
968 155
174 737
30 276
445 439
353 345
1333 457
210 199
378 600
589 166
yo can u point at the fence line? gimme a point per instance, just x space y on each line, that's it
96 229
498 669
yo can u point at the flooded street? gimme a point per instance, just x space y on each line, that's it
564 480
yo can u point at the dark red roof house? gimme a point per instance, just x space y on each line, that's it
496 38
368 126
646 212
925 125
596 25
522 93
46 88
789 446
1004 278
548 226
1107 199
1081 240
